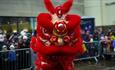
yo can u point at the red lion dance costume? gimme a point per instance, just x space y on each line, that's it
58 38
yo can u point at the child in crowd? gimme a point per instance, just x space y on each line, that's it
12 57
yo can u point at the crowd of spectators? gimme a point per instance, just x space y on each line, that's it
12 55
22 39
97 43
15 39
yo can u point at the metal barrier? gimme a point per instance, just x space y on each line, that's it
23 59
92 51
108 50
18 59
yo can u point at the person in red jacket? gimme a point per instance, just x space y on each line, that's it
58 38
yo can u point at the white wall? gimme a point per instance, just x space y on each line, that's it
92 8
104 14
109 12
28 7
15 8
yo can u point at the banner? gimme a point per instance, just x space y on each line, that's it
88 24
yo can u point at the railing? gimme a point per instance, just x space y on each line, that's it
17 59
108 49
23 59
92 51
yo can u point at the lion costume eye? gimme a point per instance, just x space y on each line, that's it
60 25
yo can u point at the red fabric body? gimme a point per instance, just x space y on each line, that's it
56 56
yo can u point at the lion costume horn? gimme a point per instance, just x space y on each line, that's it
65 7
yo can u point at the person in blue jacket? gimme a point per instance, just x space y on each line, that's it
12 57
